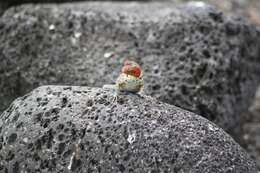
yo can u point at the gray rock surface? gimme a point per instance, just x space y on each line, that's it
248 9
251 130
5 4
57 128
192 55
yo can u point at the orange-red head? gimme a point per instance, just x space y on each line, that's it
132 68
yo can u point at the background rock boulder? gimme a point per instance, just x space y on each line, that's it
59 128
192 55
248 9
251 129
5 4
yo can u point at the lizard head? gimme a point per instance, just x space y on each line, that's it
132 68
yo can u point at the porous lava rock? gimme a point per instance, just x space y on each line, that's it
82 129
251 129
5 4
192 55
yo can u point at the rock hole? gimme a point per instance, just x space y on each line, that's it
120 101
201 71
61 148
182 58
206 54
55 110
16 167
183 48
45 123
37 117
184 90
61 137
10 156
156 87
15 118
64 102
89 103
60 127
12 138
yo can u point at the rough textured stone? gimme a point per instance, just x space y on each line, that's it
252 130
5 4
56 128
249 9
192 55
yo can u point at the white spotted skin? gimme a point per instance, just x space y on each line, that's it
129 83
